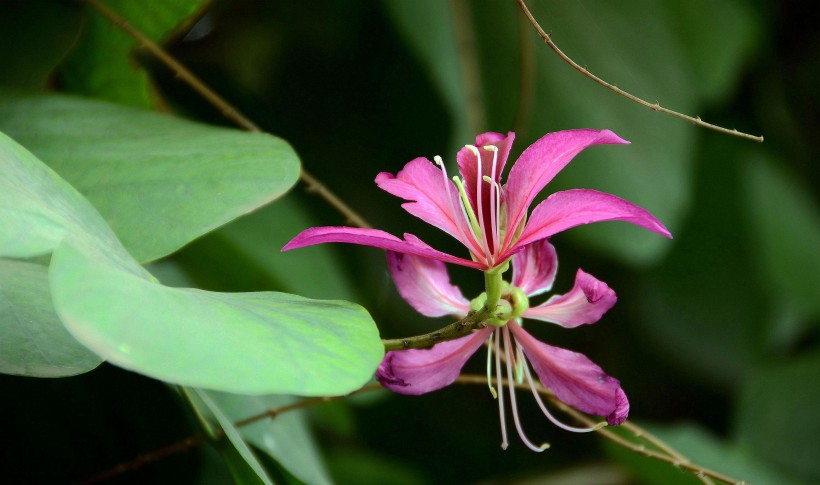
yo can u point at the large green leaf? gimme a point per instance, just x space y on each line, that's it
159 181
777 416
248 343
285 438
102 65
242 463
33 341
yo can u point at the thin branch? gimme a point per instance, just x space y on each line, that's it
654 107
217 101
473 321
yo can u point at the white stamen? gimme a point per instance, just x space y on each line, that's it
495 200
504 442
549 415
467 241
489 366
480 204
513 404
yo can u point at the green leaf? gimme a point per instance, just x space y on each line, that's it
701 448
159 181
242 463
102 65
247 343
785 222
34 38
285 438
33 341
777 416
38 209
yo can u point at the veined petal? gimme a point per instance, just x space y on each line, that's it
540 162
570 208
434 199
586 303
374 238
419 371
468 166
573 378
425 285
534 267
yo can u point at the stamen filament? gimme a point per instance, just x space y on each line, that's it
480 204
495 200
489 366
501 417
469 242
511 385
549 415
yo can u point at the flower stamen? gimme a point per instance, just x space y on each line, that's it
495 199
504 442
446 181
489 366
480 205
513 405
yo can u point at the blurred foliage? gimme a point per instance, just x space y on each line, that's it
718 328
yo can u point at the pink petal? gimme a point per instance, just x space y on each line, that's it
534 267
573 378
374 238
541 161
421 182
419 371
468 165
425 285
586 303
570 208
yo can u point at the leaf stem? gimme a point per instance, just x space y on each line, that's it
653 106
312 184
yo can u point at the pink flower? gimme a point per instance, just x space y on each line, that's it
488 218
573 378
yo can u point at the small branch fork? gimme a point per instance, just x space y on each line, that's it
653 106
659 450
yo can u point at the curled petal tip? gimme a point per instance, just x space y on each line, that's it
621 411
609 136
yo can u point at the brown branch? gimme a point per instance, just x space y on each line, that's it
217 101
653 106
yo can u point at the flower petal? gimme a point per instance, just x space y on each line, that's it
434 198
425 285
374 238
570 208
419 371
534 267
540 162
586 303
573 378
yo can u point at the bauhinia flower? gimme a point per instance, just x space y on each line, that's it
573 378
489 218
